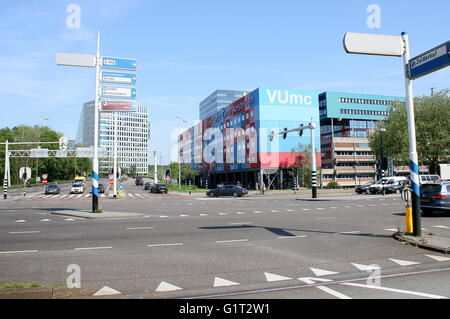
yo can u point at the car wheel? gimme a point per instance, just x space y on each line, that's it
212 195
235 194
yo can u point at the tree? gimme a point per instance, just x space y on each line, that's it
432 119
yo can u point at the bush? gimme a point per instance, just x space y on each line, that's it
333 185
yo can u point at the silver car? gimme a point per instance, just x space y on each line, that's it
435 197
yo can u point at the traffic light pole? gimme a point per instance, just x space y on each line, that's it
300 129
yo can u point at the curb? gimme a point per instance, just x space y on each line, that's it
43 293
420 242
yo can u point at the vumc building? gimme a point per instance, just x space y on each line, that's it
233 144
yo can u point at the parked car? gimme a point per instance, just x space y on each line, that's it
148 185
227 190
77 188
139 181
101 188
377 188
396 187
158 188
435 197
364 188
52 189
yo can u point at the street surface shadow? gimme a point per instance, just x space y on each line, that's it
285 231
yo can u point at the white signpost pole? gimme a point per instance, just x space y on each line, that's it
95 176
398 46
115 157
413 159
313 162
155 169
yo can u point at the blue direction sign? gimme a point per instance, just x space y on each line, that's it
119 77
430 61
118 63
119 92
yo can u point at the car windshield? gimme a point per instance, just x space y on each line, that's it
161 185
52 186
76 185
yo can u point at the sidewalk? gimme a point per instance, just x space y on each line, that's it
431 242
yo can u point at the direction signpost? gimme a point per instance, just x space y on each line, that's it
430 61
119 78
97 61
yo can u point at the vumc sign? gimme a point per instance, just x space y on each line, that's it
288 97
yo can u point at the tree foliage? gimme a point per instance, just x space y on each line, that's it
432 120
56 168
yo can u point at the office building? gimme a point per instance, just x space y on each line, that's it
234 144
218 100
133 136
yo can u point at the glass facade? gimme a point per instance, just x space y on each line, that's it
218 100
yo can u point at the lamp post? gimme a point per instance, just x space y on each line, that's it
179 165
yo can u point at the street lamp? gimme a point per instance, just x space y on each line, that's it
179 138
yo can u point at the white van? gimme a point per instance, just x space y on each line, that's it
428 179
377 188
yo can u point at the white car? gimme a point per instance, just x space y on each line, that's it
77 189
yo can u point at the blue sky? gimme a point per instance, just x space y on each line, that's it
187 49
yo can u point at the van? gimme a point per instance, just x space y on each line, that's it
80 180
377 188
428 179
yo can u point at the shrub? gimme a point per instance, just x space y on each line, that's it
333 185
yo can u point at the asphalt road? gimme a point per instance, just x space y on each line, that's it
281 246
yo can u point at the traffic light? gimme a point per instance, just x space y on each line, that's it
384 163
271 135
285 133
300 132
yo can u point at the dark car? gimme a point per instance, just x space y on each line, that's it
396 187
364 188
101 188
435 197
148 185
227 190
52 189
139 181
159 188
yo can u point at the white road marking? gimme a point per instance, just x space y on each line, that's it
18 251
333 207
230 241
139 228
404 262
223 214
107 291
203 214
163 216
21 221
320 208
440 226
243 223
69 219
275 211
274 277
438 258
308 208
312 280
290 210
408 292
240 213
288 237
165 286
320 272
220 282
257 212
391 229
350 232
45 220
25 232
365 267
92 248
161 245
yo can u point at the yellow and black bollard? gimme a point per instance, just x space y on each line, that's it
408 210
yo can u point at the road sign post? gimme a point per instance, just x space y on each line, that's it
430 61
